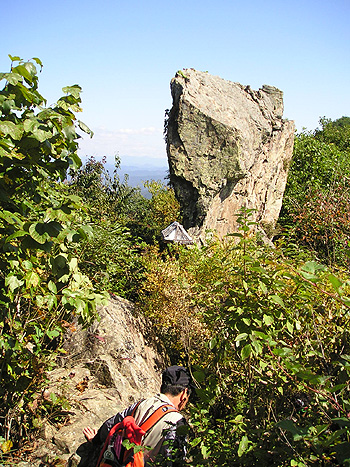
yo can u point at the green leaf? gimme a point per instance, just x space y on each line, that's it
204 451
341 421
85 128
41 133
73 264
276 299
263 287
69 132
10 217
38 62
241 337
85 232
11 129
52 287
32 279
260 335
313 266
14 58
336 283
13 78
53 228
268 319
59 262
74 161
243 445
195 442
288 425
53 333
27 265
75 90
257 347
25 71
199 376
13 282
212 343
38 233
28 94
246 351
310 277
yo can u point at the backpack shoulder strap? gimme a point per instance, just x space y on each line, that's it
135 408
114 428
156 416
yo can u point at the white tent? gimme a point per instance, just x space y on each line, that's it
175 233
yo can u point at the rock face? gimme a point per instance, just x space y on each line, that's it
107 367
227 147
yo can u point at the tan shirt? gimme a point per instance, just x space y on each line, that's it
155 436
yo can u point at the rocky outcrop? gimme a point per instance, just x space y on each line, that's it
107 367
227 147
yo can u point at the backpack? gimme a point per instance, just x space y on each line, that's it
113 453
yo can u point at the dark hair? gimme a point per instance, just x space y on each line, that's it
174 389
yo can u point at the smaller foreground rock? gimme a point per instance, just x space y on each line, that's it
107 367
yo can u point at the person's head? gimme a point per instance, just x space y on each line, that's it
177 385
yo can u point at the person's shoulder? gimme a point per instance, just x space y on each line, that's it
160 400
175 417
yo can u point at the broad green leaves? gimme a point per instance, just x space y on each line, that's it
41 286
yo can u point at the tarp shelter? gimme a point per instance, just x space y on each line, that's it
175 233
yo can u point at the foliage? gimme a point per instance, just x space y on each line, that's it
110 257
122 220
335 132
107 196
41 286
314 210
273 370
112 260
148 217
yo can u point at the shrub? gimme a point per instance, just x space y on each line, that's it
41 286
272 361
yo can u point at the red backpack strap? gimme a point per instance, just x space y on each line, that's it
156 416
146 425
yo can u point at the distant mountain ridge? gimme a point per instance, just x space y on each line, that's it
139 170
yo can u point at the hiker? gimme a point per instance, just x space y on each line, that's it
168 446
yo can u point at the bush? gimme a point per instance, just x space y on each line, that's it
41 286
268 345
314 210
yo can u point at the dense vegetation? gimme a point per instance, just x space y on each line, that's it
264 330
315 206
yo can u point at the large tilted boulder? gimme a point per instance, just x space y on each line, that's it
107 367
227 147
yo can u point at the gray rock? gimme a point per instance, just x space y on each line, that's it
107 367
227 147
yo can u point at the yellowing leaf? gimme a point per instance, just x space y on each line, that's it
6 446
32 279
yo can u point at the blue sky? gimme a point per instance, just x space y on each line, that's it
124 53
